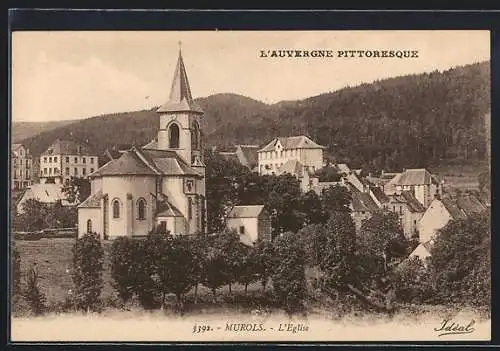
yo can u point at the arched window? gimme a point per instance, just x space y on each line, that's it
89 226
173 136
141 209
116 209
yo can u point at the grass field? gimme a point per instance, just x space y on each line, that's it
460 176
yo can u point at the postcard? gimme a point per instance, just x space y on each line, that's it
250 186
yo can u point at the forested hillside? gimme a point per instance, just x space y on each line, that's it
409 121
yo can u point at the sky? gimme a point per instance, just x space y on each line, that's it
58 75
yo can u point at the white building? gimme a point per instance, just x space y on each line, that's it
290 149
21 167
158 186
65 159
251 222
424 186
47 194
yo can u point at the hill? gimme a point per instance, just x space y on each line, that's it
25 130
409 121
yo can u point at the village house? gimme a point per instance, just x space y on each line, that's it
419 181
160 185
246 155
362 207
65 159
47 194
21 167
282 150
251 222
409 211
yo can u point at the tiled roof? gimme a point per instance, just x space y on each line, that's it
413 204
93 201
180 99
295 142
318 188
362 202
166 209
248 211
68 147
343 168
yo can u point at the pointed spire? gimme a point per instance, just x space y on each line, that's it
180 99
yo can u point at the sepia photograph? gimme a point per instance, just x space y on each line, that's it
250 186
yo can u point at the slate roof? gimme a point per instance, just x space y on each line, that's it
166 209
416 176
295 142
46 193
128 164
362 202
410 200
180 99
68 147
246 211
463 206
93 201
379 195
250 154
292 167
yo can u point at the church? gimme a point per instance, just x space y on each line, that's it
160 185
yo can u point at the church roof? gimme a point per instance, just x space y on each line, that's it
93 201
140 161
166 209
295 142
180 99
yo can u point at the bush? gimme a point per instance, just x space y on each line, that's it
122 261
412 282
143 271
35 298
87 271
289 279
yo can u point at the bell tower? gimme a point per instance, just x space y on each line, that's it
180 119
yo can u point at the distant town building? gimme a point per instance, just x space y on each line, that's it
251 222
362 206
444 209
65 159
45 193
160 185
21 167
288 149
424 186
246 155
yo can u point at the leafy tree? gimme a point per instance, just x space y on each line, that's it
77 189
34 216
122 261
335 199
339 254
460 261
311 206
143 272
314 238
215 272
289 281
248 272
264 260
181 270
328 174
35 298
413 282
63 216
87 271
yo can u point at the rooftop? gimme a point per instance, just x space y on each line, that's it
246 211
294 142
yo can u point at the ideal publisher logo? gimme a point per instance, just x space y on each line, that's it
450 327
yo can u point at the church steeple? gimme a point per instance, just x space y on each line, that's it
180 99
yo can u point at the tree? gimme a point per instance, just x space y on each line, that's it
311 206
314 238
34 216
143 273
87 271
289 279
335 199
413 281
122 261
76 189
264 260
181 270
16 271
248 272
328 174
460 261
63 216
339 254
